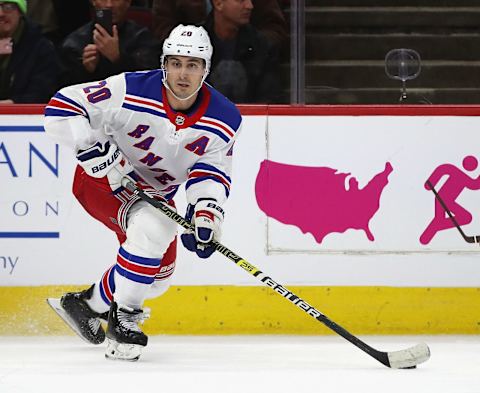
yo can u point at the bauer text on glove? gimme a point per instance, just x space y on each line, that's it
105 161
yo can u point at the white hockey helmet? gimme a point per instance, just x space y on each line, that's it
190 41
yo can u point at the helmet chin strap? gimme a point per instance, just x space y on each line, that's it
165 83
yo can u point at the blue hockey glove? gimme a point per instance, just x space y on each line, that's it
207 217
106 162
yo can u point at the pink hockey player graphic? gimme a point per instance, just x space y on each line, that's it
316 199
456 182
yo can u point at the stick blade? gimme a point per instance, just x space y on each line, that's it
410 357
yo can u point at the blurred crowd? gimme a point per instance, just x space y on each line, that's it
48 44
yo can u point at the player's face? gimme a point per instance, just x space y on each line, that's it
184 74
9 18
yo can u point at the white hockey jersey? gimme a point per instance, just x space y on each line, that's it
166 148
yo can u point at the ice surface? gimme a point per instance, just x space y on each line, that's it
238 364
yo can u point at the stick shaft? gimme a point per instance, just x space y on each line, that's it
382 357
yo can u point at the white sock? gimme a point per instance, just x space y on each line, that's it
96 302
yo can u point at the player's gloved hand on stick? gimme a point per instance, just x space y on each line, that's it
106 162
207 217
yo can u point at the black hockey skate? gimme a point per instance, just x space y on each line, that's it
75 311
124 337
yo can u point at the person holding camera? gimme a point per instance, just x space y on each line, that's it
108 45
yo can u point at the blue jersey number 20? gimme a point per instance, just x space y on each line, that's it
99 93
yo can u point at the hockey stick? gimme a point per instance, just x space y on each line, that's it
406 358
468 239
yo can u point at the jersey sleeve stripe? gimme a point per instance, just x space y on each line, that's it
218 132
144 102
217 124
63 98
59 112
63 106
201 173
211 168
136 108
191 182
60 96
55 103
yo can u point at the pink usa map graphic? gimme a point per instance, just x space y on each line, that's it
317 200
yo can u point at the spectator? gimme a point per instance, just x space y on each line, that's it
244 63
70 15
169 13
59 18
28 64
267 17
42 12
91 53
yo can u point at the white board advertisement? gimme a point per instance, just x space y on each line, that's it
316 200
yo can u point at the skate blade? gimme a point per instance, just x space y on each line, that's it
54 303
120 351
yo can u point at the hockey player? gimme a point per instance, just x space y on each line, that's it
160 128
